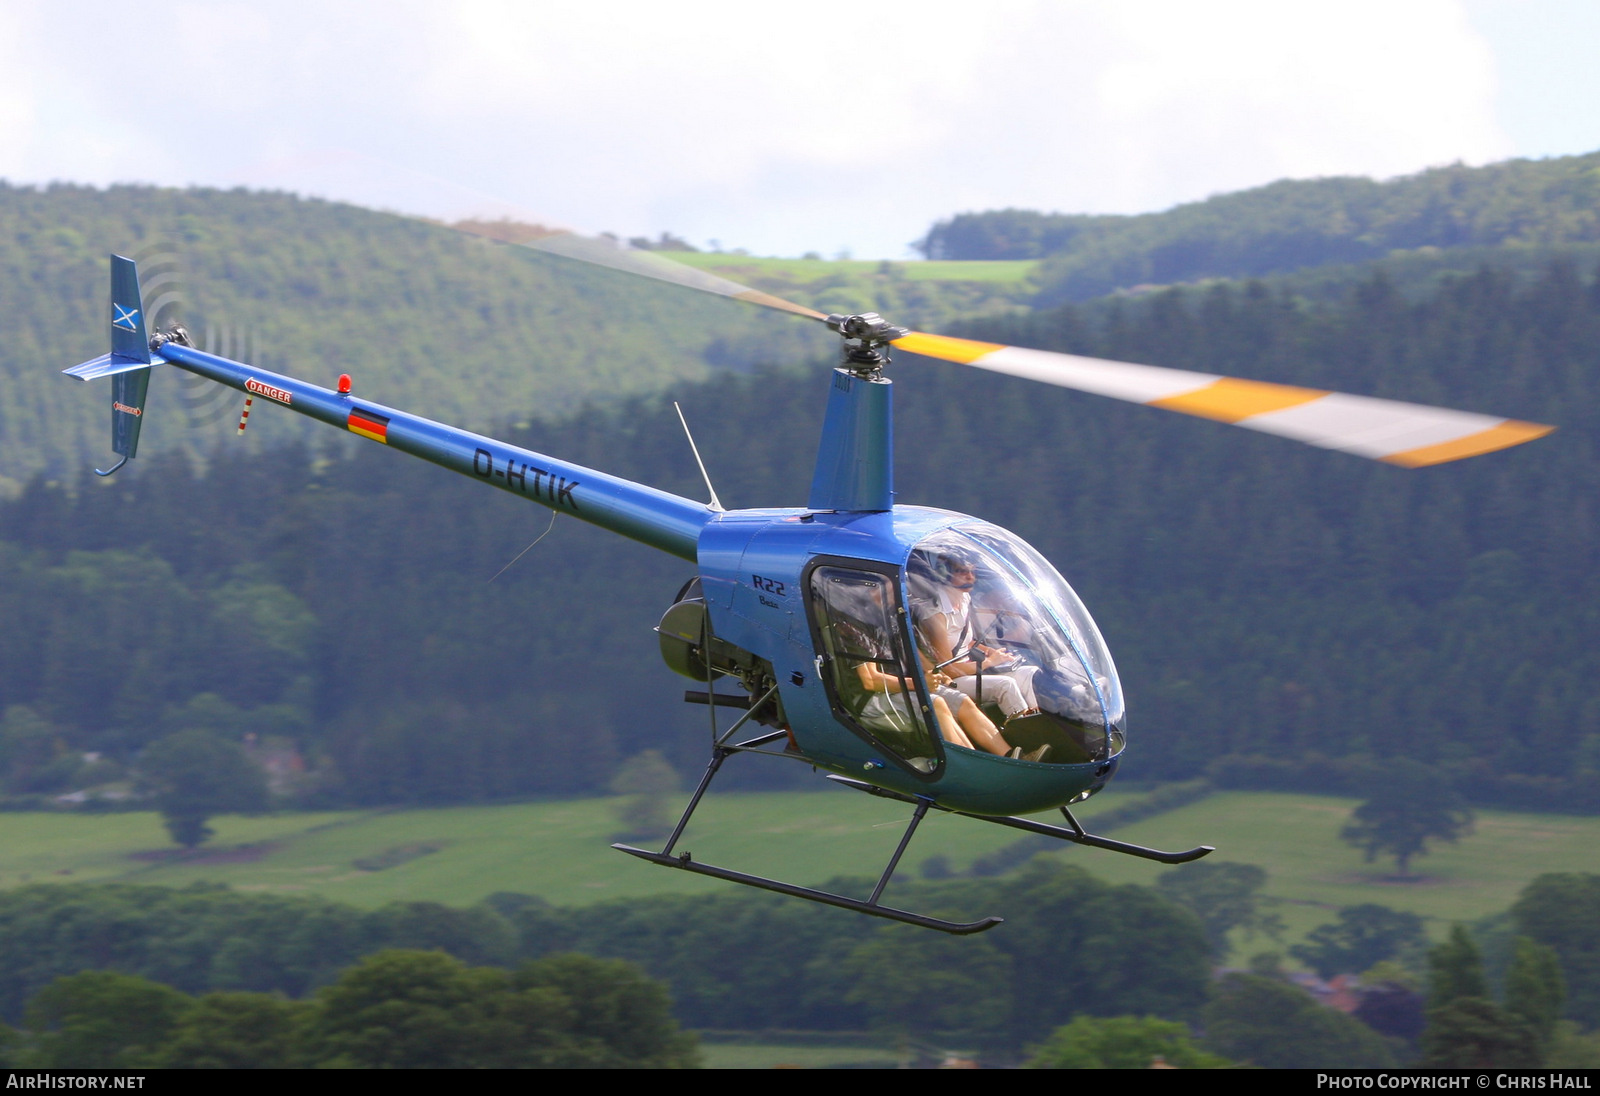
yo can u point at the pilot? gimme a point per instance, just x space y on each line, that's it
945 625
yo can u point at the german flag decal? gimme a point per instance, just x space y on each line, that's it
368 425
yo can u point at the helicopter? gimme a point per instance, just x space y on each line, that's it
915 654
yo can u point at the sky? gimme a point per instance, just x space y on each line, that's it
830 126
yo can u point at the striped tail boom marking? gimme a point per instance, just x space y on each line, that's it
368 424
1407 434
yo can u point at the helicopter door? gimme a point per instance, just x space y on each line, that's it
870 671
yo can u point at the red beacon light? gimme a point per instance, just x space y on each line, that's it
344 384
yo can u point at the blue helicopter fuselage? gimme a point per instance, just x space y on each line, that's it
753 568
752 564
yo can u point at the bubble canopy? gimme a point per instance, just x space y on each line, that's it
1001 623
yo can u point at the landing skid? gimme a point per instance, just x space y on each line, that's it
1077 834
870 906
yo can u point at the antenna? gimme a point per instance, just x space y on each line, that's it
716 503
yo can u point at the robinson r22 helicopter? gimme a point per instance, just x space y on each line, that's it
916 654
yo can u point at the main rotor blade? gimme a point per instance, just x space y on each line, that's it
646 264
1407 434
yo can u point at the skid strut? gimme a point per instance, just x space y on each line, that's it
1077 834
683 861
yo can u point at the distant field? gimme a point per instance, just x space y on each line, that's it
558 850
807 270
1296 839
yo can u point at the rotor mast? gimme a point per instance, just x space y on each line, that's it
855 459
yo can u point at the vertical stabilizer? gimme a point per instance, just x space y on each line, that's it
129 339
130 357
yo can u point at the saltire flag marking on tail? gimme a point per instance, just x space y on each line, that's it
368 425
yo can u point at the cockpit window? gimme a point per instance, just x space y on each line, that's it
870 670
985 603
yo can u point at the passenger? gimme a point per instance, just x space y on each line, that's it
887 707
979 727
945 626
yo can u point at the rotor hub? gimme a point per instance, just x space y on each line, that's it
177 333
866 341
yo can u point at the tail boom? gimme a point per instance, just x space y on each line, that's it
653 517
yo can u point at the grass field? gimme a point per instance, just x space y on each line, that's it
1296 839
809 270
558 850
780 1056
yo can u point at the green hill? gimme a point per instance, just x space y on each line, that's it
1290 225
926 295
442 324
446 325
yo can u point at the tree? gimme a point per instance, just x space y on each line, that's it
197 774
1534 991
1474 1033
1466 1029
477 935
425 1010
648 780
1573 1049
407 1010
237 1031
1455 970
1267 1022
31 757
1079 945
911 985
1223 895
1122 1042
103 1020
1410 805
1360 938
621 1019
1562 911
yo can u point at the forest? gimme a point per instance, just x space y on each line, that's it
1289 225
205 977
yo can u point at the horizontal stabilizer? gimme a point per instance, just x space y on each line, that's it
106 365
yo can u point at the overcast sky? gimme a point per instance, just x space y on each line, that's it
823 126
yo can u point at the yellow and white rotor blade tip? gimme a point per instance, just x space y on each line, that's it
1407 434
